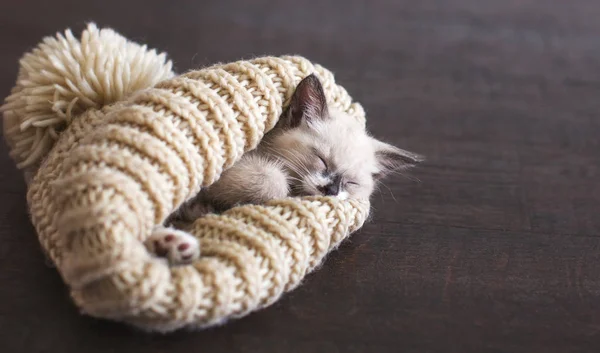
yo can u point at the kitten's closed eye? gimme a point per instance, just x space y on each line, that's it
323 162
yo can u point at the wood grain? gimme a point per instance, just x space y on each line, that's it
491 246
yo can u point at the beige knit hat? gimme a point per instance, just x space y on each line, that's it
112 143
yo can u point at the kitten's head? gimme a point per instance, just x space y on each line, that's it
328 152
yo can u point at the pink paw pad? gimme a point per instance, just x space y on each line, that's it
177 246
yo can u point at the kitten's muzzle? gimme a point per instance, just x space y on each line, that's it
333 188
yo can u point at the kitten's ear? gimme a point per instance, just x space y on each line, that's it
307 104
390 159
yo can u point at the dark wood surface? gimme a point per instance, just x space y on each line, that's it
493 247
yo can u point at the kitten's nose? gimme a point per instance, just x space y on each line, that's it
333 188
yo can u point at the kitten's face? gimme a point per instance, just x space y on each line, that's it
327 152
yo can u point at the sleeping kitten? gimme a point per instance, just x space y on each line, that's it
313 150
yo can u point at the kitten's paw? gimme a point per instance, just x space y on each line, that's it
175 245
269 183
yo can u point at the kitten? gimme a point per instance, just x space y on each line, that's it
313 150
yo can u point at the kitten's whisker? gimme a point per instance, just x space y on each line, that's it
391 192
299 158
378 189
294 162
407 176
294 178
290 156
291 165
298 161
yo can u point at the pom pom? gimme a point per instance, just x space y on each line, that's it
63 77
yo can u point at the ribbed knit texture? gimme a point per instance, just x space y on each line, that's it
124 143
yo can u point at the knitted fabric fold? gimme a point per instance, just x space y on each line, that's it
113 142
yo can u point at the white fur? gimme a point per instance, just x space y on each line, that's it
340 140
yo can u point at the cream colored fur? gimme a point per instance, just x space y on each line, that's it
326 146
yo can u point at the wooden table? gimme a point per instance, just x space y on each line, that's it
491 246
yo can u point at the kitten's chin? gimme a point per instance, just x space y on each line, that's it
344 195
